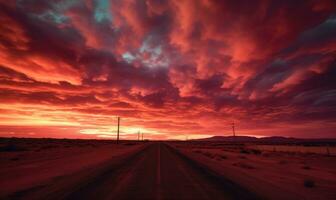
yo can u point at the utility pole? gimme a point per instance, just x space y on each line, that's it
118 130
233 129
138 135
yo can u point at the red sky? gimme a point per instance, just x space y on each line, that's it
170 69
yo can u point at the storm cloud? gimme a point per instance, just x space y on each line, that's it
169 68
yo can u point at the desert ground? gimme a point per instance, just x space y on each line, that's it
272 171
103 169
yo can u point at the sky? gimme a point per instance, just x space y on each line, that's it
171 69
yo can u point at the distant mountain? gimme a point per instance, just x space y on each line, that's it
230 139
273 139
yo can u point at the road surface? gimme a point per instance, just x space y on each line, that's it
156 172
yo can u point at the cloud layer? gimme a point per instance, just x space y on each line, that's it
168 68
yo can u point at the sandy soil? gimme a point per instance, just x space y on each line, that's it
28 163
273 175
153 171
72 168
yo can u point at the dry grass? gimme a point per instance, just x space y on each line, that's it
209 155
243 165
325 150
197 151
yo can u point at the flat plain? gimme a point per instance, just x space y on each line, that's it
103 169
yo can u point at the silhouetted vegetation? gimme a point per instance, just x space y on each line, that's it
223 156
243 165
256 151
11 148
306 167
130 144
15 159
244 151
209 155
308 183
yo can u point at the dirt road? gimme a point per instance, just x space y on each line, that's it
156 172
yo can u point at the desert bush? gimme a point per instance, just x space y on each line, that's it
256 151
15 159
11 148
209 155
244 151
306 167
308 183
50 146
243 165
129 144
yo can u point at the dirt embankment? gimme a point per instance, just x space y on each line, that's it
273 175
30 164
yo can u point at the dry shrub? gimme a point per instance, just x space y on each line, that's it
243 165
244 151
308 183
223 156
15 159
208 154
12 148
306 167
50 146
256 151
128 144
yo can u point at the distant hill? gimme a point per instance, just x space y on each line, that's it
273 139
229 139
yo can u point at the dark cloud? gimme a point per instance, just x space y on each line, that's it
9 74
169 67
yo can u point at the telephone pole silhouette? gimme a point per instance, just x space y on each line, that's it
233 129
118 130
138 135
